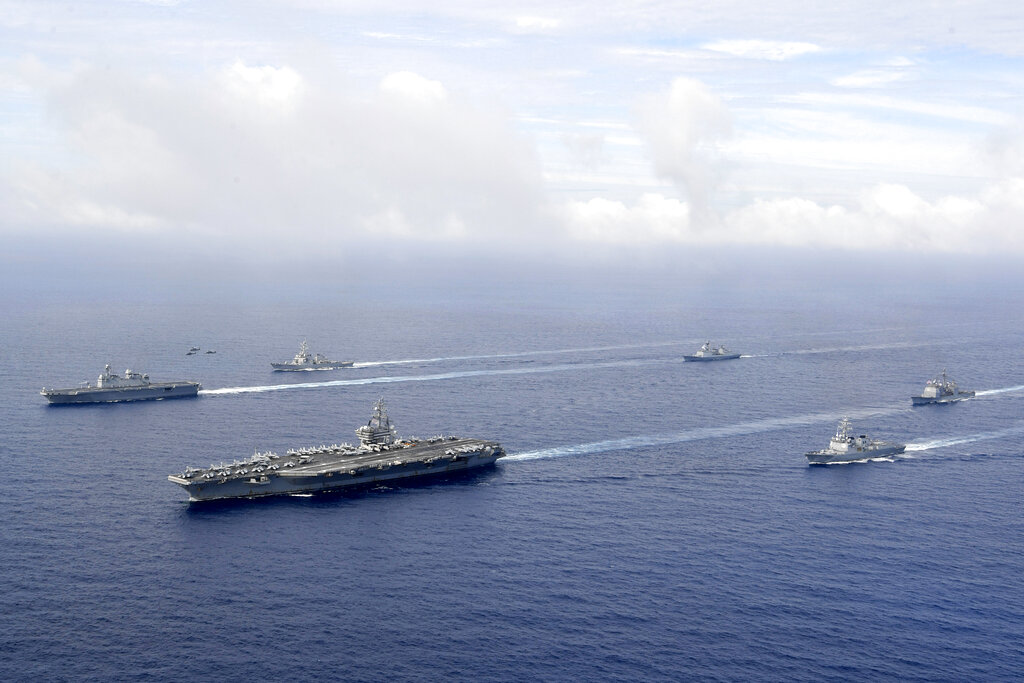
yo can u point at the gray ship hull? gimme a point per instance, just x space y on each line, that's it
151 392
291 367
925 400
724 356
830 458
327 471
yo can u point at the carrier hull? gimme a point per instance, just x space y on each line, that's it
333 477
153 392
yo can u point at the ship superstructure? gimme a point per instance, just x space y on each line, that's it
112 387
941 390
709 352
304 360
845 447
380 456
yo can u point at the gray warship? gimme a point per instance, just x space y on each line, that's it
707 352
304 360
941 390
845 447
112 388
380 456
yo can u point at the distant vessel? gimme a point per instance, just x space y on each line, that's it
303 360
941 390
112 387
192 351
706 352
847 448
380 456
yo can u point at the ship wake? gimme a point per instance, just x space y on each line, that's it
513 354
699 434
969 438
1004 390
423 378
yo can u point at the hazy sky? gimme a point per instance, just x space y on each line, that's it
279 128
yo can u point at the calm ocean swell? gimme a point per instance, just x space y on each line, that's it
656 519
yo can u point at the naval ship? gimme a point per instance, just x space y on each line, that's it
303 360
941 390
706 352
380 456
112 387
847 448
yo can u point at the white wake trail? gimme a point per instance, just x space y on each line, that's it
514 354
422 378
969 438
698 434
1005 390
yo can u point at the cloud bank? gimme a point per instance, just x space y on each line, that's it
284 162
269 158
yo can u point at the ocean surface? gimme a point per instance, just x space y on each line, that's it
654 520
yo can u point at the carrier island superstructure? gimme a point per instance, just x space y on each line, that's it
380 456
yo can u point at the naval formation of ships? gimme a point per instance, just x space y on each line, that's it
381 456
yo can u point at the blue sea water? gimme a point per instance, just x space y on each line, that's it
655 520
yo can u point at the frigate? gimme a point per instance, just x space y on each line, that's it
304 360
844 447
941 390
380 456
112 387
708 352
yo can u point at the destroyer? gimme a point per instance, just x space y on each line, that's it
379 456
112 387
847 448
706 352
303 360
941 390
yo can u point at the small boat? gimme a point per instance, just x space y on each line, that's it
941 390
708 352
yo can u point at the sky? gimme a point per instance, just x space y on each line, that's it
283 132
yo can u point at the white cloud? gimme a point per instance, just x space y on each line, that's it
653 219
885 217
946 108
535 24
273 161
776 51
413 86
868 78
262 85
682 127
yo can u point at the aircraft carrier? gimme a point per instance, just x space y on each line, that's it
111 387
380 456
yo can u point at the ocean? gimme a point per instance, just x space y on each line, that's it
654 520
